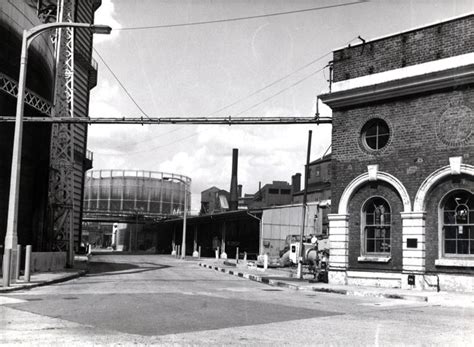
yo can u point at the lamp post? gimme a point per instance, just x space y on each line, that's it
11 237
186 184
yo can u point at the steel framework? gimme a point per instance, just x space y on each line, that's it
61 181
10 86
176 120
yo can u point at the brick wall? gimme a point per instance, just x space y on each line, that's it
421 140
432 221
410 48
396 206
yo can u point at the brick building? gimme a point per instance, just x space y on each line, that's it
319 181
403 159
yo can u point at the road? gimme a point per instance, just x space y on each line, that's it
151 299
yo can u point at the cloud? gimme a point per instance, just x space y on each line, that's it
106 15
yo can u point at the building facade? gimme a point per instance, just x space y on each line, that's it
403 159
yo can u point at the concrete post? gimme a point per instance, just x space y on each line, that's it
217 253
28 263
7 255
223 254
245 257
18 262
199 252
237 255
178 252
195 251
265 261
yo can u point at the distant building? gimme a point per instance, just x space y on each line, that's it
214 200
319 181
402 159
271 194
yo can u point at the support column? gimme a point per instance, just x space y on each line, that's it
414 248
339 248
173 242
195 251
223 254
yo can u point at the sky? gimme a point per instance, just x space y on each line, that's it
256 67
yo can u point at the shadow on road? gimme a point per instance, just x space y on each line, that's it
108 269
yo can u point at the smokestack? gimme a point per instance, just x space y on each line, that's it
239 190
234 200
296 182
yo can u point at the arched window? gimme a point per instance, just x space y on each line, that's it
376 221
458 223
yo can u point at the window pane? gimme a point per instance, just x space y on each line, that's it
378 233
370 233
450 247
383 139
471 217
387 218
450 232
449 217
383 128
378 246
371 131
461 214
463 247
385 246
369 219
463 233
372 142
370 246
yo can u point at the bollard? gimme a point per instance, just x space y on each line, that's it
217 253
245 257
237 255
18 262
89 249
27 263
265 261
173 252
7 256
199 251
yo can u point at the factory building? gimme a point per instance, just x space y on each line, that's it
403 159
40 214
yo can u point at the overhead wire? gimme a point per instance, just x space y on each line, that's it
238 18
121 84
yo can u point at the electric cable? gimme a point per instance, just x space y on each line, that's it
279 92
239 18
121 84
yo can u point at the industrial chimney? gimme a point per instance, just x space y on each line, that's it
234 200
239 190
296 182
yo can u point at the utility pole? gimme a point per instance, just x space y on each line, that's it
303 217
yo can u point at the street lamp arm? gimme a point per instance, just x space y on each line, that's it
96 28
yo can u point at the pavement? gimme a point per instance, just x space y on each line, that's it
38 279
278 277
286 277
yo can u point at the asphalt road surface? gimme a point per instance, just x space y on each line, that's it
150 299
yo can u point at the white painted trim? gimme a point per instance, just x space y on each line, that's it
364 178
432 180
455 262
404 72
372 274
369 259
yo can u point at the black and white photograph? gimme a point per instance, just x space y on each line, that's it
237 173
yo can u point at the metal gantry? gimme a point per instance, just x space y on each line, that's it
61 176
10 86
175 120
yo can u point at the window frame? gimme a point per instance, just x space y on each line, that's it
368 125
374 256
441 228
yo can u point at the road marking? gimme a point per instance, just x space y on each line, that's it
4 300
